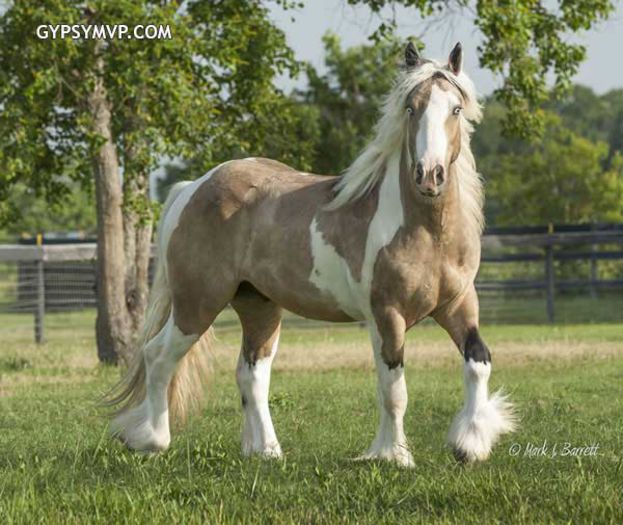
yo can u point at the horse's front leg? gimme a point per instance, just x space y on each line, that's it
388 334
483 419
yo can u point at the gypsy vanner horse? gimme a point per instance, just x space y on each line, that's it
394 239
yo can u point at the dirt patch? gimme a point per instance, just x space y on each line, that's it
9 383
358 355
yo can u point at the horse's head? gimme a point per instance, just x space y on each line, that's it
434 109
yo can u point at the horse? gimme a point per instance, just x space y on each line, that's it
391 241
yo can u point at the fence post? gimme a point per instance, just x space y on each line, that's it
594 273
40 306
549 276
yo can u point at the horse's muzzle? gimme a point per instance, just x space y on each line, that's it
430 182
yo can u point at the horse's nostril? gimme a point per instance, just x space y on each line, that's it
419 172
439 174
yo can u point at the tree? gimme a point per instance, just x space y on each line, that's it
525 41
559 180
346 99
594 117
74 214
330 120
108 110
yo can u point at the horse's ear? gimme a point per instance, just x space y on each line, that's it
412 57
455 60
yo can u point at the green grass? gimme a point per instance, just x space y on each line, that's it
57 464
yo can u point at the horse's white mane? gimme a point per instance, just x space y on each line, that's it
368 168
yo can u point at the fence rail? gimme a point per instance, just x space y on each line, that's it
36 279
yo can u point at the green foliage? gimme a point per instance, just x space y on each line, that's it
208 95
329 121
524 41
210 86
176 172
598 118
75 212
347 98
565 178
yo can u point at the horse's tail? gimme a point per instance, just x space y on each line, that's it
186 387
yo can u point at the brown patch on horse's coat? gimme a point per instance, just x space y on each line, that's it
446 263
453 129
390 324
418 99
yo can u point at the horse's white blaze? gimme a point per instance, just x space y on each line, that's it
331 273
390 441
431 141
482 420
146 426
258 435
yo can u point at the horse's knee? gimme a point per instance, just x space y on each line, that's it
475 349
391 331
393 357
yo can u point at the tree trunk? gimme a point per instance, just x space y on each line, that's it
113 328
124 227
137 238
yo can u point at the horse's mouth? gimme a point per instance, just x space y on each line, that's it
430 194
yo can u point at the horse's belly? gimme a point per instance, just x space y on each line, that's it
318 310
301 297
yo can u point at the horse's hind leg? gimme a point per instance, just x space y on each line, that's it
261 322
145 427
483 419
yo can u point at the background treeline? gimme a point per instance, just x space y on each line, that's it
572 173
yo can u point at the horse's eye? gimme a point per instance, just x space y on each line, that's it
409 110
457 110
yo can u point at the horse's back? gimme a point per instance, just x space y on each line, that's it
267 175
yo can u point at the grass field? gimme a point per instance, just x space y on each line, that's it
57 465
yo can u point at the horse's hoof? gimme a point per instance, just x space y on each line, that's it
460 456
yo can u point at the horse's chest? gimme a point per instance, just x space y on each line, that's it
418 282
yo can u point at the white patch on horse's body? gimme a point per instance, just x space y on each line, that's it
390 442
258 435
146 426
482 420
387 220
331 273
